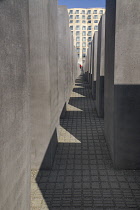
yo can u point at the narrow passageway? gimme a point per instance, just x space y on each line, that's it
82 176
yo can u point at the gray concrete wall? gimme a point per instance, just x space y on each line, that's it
67 59
52 76
91 63
94 74
14 115
43 86
86 67
100 68
53 62
109 74
122 79
89 54
62 47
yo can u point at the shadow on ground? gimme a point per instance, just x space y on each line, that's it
82 176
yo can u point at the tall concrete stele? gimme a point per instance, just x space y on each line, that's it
117 90
15 150
37 63
122 82
83 23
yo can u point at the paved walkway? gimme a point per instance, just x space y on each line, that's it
82 176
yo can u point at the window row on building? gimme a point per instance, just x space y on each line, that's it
83 43
83 28
83 50
84 17
86 12
84 33
84 21
83 39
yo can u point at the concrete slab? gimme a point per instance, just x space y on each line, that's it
62 48
94 74
100 68
14 103
43 67
51 52
122 82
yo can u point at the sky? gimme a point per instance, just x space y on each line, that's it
82 3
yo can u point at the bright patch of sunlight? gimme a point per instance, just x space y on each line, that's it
77 95
37 199
66 137
78 86
73 108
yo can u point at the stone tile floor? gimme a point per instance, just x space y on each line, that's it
82 176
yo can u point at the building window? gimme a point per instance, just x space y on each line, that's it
89 17
89 43
101 12
95 16
77 27
77 38
84 39
77 21
77 12
71 12
77 17
84 50
77 33
84 55
95 21
71 21
77 44
95 27
89 21
89 33
83 11
89 28
89 39
71 16
72 32
83 27
95 12
83 21
89 12
71 28
78 50
83 16
84 44
84 33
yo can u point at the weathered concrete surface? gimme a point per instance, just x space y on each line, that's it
52 76
67 59
53 62
14 103
100 68
90 68
43 57
91 63
122 82
94 73
62 58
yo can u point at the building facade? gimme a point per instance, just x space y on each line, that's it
83 23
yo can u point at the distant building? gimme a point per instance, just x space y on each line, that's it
83 22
